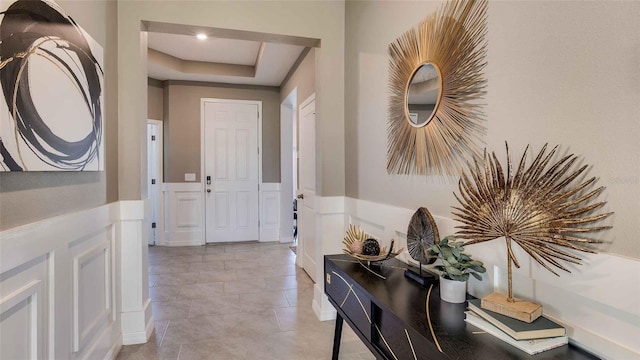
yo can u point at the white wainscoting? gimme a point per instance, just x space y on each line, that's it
269 212
184 210
598 302
60 284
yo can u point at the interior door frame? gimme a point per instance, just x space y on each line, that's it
202 153
160 181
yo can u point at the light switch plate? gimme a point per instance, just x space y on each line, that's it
189 177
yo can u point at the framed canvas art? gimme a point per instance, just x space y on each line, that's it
52 103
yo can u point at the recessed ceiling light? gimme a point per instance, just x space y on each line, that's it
201 36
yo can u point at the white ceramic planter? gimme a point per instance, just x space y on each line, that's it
453 291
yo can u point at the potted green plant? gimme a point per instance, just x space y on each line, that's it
455 268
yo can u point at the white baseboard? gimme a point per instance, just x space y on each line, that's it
321 306
137 334
286 240
113 351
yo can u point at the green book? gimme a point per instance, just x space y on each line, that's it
542 327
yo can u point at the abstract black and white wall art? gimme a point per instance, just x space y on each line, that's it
51 106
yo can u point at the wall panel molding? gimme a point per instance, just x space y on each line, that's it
184 220
25 303
68 268
87 294
270 212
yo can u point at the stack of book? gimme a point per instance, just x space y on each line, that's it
540 335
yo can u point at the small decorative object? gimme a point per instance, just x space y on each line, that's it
356 235
421 233
455 269
371 247
356 247
436 120
537 208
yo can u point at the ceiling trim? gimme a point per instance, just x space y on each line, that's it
170 28
295 65
154 82
199 67
259 57
222 85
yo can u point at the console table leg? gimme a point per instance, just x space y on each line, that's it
336 337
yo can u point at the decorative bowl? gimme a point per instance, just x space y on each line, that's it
355 233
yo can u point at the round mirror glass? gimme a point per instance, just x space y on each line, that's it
423 94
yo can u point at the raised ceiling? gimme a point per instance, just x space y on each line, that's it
226 56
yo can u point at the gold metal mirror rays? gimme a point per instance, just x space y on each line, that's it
453 39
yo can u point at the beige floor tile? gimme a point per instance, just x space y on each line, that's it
263 301
202 291
177 279
158 330
283 282
169 268
216 349
207 266
280 270
278 346
164 293
217 305
149 351
193 330
245 286
244 301
217 275
218 255
250 325
167 310
240 264
277 260
300 296
251 255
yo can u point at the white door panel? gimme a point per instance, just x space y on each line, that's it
307 187
231 161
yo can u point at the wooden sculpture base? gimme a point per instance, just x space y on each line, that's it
519 309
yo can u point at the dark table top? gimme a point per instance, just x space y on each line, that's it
408 302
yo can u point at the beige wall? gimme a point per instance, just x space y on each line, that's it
322 20
155 100
182 126
31 196
303 79
559 72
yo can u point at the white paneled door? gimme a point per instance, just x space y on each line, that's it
307 186
231 170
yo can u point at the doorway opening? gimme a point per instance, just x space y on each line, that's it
289 167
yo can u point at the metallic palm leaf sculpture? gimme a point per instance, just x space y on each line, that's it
540 208
453 41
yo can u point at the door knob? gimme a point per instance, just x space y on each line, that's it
301 196
208 190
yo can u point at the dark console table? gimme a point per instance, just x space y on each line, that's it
397 319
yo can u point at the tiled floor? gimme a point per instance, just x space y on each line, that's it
235 301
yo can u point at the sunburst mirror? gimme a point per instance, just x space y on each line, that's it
436 121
